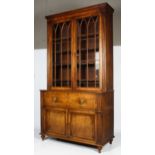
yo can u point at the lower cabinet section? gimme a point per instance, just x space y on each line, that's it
85 118
82 125
70 123
55 121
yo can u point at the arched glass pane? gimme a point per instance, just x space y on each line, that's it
88 52
61 54
83 27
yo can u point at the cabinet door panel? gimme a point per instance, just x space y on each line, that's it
82 125
55 121
87 54
61 54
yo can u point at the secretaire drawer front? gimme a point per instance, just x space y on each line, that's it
55 99
84 101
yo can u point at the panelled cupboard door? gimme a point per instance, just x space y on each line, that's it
61 55
82 125
55 121
88 52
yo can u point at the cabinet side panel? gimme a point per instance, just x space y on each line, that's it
100 132
108 117
109 51
107 25
42 112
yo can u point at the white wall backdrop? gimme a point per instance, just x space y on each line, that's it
40 67
46 7
40 75
117 88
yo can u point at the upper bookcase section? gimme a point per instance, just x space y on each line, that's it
95 9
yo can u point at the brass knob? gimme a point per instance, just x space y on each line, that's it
82 101
54 99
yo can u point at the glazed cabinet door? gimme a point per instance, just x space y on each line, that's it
55 121
88 53
82 125
59 68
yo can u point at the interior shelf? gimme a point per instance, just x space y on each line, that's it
63 52
89 49
90 35
64 65
85 80
63 39
62 80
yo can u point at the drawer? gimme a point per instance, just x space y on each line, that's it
82 100
55 99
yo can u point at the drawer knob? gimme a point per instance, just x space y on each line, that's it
54 99
82 101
